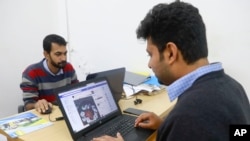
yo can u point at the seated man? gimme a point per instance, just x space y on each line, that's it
39 79
209 100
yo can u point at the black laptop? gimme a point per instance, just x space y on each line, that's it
115 78
90 110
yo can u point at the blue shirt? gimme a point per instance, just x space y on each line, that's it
47 68
179 86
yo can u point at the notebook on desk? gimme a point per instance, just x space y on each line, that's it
90 110
115 78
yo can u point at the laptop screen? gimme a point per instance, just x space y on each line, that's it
115 78
87 103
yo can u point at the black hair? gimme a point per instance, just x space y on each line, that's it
179 23
52 38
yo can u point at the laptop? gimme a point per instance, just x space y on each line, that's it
90 110
115 78
135 79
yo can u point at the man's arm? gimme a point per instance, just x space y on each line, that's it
40 105
29 105
30 93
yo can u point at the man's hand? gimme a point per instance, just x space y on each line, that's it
109 138
148 120
42 105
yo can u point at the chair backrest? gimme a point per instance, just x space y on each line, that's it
20 108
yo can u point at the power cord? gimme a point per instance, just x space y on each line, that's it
56 119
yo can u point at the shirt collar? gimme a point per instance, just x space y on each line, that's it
179 86
45 65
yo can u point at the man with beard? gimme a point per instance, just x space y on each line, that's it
209 100
39 79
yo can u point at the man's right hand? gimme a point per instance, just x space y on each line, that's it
148 120
42 105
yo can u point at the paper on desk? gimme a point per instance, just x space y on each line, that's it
3 138
128 90
23 123
131 90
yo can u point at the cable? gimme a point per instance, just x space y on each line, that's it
56 119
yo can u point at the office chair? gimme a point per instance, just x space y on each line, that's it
20 108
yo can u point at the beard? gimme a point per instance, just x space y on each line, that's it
59 65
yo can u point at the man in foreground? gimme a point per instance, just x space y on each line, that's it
209 101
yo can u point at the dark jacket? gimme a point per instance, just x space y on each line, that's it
205 110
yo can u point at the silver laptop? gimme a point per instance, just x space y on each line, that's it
135 79
90 110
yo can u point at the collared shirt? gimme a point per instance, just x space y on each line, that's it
47 69
179 86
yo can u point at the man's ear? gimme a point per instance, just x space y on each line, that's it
171 52
45 54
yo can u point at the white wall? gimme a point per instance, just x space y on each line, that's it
24 24
101 36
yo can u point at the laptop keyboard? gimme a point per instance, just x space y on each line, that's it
123 127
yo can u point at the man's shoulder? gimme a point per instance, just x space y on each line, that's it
33 67
69 67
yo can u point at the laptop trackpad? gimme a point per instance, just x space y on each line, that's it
139 134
